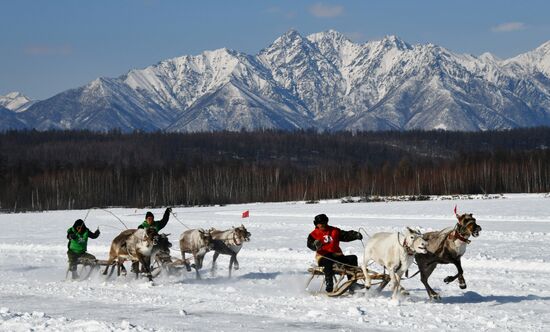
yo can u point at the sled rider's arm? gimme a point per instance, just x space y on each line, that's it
310 243
70 234
161 223
347 236
93 235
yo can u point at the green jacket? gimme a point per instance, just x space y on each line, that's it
157 224
78 242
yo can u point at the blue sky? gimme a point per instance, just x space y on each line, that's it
51 46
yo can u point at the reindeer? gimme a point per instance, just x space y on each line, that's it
138 246
228 242
196 242
395 252
447 247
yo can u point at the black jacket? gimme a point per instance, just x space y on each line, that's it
160 224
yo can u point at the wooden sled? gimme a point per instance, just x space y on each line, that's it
341 281
164 263
85 267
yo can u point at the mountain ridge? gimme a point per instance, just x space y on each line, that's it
323 81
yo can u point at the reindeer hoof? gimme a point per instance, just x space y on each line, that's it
462 286
404 292
448 280
435 297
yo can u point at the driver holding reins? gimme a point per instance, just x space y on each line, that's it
325 240
78 242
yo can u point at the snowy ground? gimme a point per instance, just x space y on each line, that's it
507 270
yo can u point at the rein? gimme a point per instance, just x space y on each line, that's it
335 261
179 220
114 215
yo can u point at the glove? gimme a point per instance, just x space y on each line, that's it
71 236
97 231
169 210
359 235
317 244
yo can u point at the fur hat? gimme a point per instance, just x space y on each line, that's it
320 219
149 214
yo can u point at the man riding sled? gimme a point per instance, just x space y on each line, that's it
78 242
325 240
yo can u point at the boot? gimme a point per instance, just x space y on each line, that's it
330 285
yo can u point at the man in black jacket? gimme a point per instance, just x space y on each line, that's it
157 224
325 241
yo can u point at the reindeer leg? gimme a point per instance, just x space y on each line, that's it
426 270
459 275
112 266
368 279
109 262
185 262
198 264
394 283
402 289
216 254
123 268
231 261
236 263
143 261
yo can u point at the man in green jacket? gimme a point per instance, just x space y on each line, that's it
157 224
78 242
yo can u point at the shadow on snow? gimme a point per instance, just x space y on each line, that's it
473 297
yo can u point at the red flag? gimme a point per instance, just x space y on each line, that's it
246 214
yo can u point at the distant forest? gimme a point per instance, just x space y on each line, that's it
81 169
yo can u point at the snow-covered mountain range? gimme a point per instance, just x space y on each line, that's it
322 81
15 101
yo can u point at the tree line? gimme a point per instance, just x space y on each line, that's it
82 169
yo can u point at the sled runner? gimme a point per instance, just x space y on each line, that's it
163 263
341 281
85 266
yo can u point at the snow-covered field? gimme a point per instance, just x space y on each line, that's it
507 270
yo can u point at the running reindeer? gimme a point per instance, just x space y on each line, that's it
138 246
394 251
196 242
228 242
447 247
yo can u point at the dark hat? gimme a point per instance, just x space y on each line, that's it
149 214
78 222
320 219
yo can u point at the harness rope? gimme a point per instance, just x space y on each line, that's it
179 220
366 234
96 208
103 225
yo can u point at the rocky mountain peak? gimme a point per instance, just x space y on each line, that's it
323 80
